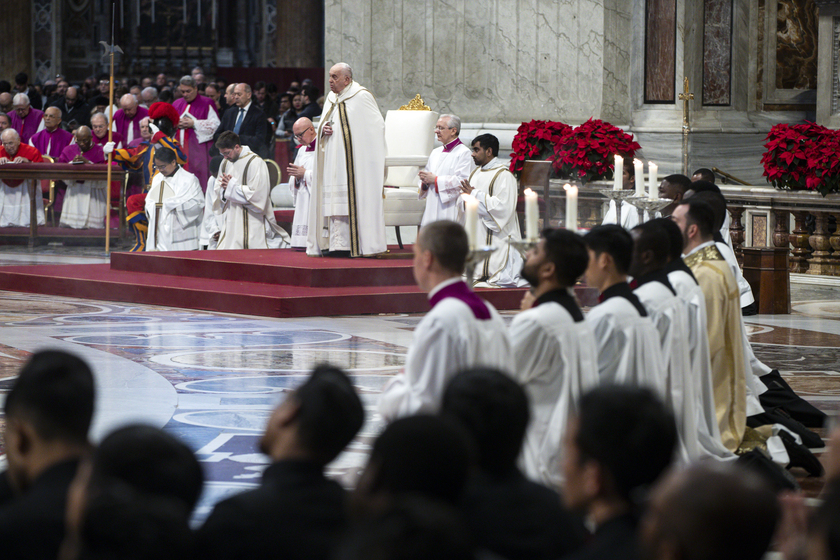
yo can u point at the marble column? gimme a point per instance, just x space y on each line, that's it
16 30
828 73
799 240
736 232
835 246
820 261
660 51
781 233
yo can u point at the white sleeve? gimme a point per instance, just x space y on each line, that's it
449 186
496 211
205 129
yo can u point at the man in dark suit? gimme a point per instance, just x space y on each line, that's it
248 121
296 513
48 414
311 109
73 109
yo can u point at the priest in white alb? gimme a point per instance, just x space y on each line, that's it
626 339
300 181
448 166
346 209
495 189
244 199
461 330
554 349
84 201
174 206
668 313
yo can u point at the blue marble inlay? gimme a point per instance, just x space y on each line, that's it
210 339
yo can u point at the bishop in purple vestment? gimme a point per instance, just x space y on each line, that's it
198 123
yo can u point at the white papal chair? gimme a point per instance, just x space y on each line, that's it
410 138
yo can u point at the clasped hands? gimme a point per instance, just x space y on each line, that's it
18 159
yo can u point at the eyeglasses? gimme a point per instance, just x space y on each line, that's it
300 136
443 128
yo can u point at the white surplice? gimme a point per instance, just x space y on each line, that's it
629 215
451 168
14 204
211 224
668 314
301 193
346 209
627 343
708 430
447 340
245 206
743 286
176 225
496 191
556 362
84 205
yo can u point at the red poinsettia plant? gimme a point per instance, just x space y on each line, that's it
588 153
536 140
585 153
802 157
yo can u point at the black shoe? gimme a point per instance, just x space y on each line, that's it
801 456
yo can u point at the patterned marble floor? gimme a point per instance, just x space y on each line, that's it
212 379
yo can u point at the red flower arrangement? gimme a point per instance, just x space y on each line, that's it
588 152
584 153
802 157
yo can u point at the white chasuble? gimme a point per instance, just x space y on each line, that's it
174 222
556 362
451 167
245 206
301 193
496 191
349 175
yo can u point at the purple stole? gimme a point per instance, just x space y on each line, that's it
56 141
122 122
28 126
459 290
198 154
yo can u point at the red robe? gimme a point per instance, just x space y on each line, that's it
25 151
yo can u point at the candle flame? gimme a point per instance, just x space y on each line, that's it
567 187
528 192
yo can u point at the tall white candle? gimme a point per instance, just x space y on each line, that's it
571 207
618 171
532 211
653 169
640 177
471 222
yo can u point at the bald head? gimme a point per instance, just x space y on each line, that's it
11 141
52 118
128 103
304 131
84 138
6 102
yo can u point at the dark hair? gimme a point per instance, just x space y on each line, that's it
705 174
119 522
311 92
215 164
413 528
227 140
286 96
329 414
494 409
675 237
567 251
424 455
630 433
5 86
149 461
487 141
166 96
719 511
701 214
21 78
259 85
652 238
680 181
165 155
447 241
55 392
717 203
613 240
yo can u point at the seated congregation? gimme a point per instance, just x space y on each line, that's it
633 431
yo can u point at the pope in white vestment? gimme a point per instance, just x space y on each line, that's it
448 166
346 209
174 221
244 201
556 362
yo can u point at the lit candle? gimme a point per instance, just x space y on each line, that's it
471 222
618 172
532 211
640 177
571 207
653 181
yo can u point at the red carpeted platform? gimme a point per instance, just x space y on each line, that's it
269 283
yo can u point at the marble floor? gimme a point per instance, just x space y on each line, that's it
212 379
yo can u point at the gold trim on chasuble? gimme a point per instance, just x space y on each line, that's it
355 249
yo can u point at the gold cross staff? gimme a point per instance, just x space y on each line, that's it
685 98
